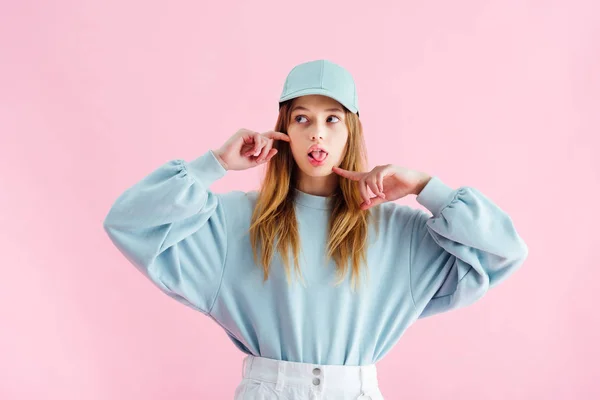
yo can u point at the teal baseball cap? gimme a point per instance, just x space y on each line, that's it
321 77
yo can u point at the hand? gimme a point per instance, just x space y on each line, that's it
385 183
247 149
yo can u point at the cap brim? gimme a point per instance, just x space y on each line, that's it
323 92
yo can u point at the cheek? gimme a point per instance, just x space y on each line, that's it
293 135
341 144
296 151
294 140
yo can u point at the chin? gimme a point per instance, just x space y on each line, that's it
322 170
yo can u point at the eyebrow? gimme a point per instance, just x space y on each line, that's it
306 109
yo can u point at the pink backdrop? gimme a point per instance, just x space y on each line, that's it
499 95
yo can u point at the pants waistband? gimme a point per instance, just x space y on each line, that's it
318 376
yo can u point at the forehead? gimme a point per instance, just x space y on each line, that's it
316 103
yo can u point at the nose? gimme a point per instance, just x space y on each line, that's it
319 130
317 133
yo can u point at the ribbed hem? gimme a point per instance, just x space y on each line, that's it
435 195
313 201
206 169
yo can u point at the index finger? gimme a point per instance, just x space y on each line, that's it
277 135
353 175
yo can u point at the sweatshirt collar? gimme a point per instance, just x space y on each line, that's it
313 201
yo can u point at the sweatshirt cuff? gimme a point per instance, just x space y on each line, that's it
435 195
206 169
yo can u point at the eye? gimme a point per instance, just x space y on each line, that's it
302 116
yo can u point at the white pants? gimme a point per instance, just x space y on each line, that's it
266 379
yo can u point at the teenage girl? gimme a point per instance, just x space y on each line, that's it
316 275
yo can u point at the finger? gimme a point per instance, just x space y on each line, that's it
373 186
374 202
277 135
271 155
362 187
258 141
247 145
353 175
380 182
248 137
385 171
255 138
265 150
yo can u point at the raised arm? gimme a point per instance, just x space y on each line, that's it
173 229
467 246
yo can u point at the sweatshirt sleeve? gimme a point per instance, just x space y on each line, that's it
467 246
172 228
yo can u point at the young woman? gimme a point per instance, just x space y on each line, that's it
367 267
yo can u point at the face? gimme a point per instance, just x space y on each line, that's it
317 120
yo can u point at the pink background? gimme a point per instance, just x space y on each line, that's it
500 95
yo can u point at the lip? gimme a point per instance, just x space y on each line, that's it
317 147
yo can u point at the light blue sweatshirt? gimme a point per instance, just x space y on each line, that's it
193 244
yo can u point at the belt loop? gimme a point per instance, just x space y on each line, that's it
245 370
244 366
280 375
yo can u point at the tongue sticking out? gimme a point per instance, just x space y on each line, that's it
318 155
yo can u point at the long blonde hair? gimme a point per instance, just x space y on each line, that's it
274 218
